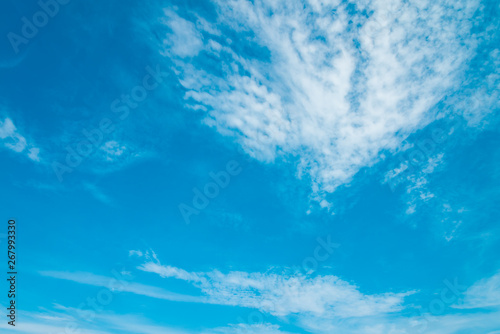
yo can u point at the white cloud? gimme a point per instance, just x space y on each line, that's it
113 150
114 155
413 174
120 285
281 294
325 305
13 140
60 319
484 293
134 252
263 328
185 40
33 154
44 328
475 323
339 88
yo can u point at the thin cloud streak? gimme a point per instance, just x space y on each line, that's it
110 283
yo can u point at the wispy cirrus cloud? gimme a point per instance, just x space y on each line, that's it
323 305
132 287
247 329
327 304
416 183
335 83
484 293
476 323
282 294
63 319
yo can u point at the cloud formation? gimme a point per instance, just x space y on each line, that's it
113 284
325 304
335 83
484 293
282 294
15 141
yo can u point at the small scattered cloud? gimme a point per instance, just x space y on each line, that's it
413 175
185 40
115 155
33 154
113 150
135 253
12 139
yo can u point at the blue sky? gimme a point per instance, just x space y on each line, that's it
209 167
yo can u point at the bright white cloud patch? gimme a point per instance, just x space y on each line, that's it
281 295
345 81
13 140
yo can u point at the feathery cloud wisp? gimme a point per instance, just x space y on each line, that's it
341 85
283 295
